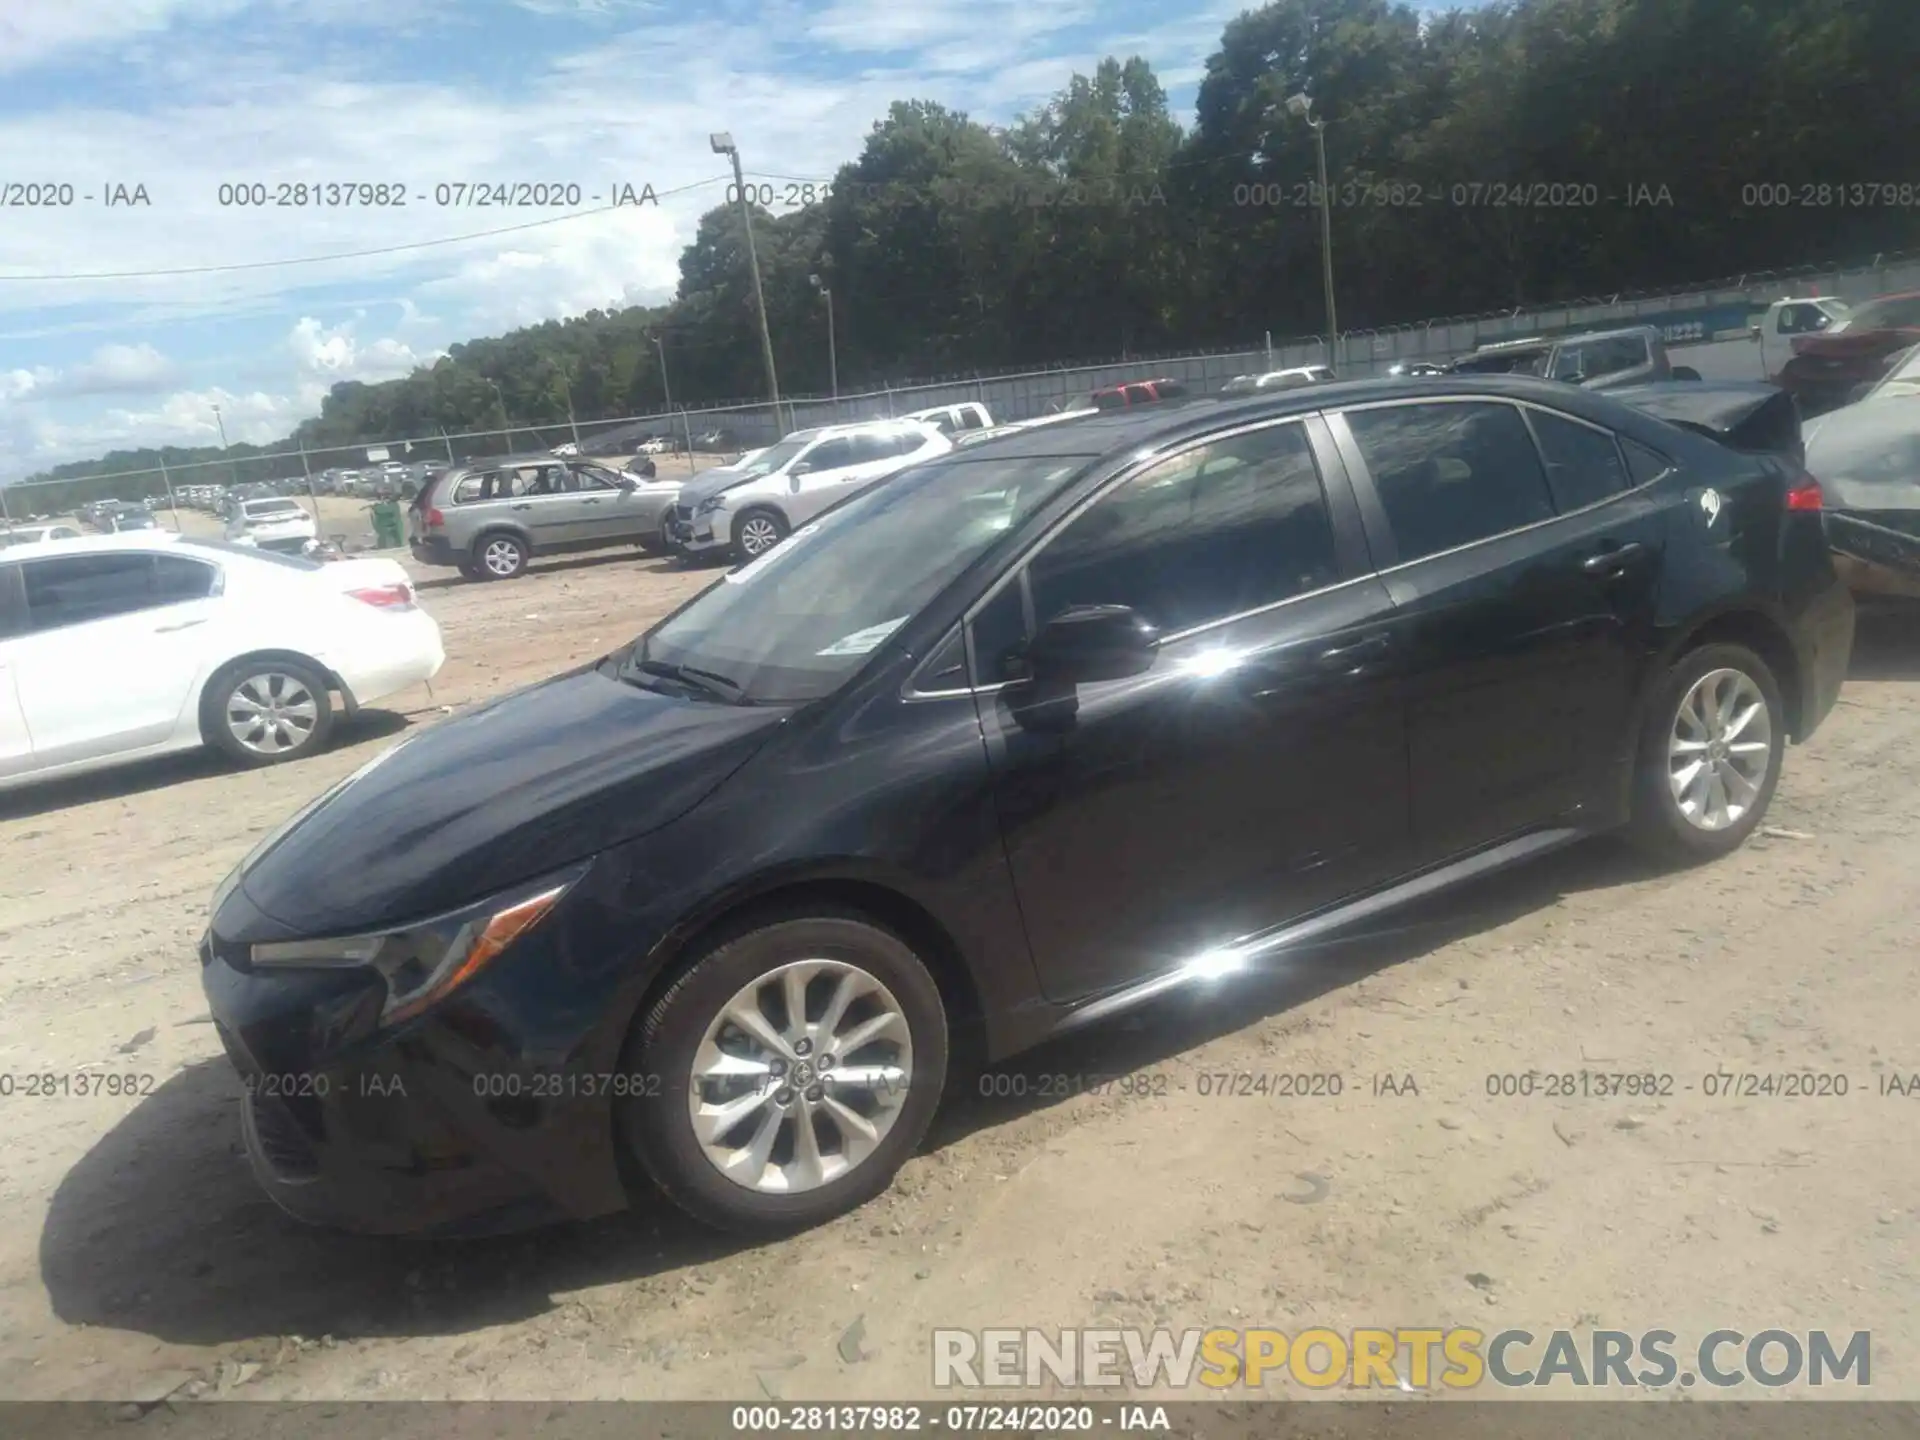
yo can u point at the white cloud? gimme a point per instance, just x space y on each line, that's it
335 354
111 370
631 103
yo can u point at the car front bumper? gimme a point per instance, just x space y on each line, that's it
696 535
447 1125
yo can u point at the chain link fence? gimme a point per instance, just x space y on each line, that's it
1706 322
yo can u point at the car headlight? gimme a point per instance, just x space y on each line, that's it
710 504
425 962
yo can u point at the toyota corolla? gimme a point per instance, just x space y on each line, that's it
1040 730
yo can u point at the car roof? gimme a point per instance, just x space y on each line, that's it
858 427
92 544
1114 433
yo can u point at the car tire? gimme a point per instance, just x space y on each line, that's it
757 530
288 702
1680 814
1684 372
501 555
688 1027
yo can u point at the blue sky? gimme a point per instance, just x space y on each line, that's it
183 96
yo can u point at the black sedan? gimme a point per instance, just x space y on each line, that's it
1037 731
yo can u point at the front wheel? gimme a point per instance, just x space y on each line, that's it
757 531
1709 754
267 712
792 1069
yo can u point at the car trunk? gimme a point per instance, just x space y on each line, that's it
1867 456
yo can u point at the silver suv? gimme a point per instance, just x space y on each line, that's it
490 518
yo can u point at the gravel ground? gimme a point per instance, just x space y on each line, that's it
141 1259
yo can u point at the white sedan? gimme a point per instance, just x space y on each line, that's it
118 647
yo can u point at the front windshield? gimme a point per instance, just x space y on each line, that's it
791 626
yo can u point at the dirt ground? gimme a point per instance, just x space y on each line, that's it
138 1258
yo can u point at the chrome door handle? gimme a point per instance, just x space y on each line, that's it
181 625
522 507
1356 652
1613 561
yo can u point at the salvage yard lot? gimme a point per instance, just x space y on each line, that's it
139 1258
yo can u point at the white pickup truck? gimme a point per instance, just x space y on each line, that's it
279 525
1787 321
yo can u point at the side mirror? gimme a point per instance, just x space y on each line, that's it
1088 643
805 467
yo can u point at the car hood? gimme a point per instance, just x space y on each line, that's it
1867 457
524 785
709 483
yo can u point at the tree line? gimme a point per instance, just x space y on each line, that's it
1511 155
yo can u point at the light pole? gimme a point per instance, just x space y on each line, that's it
500 402
572 423
1302 106
722 143
233 476
833 359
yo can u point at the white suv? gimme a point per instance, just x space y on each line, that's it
764 499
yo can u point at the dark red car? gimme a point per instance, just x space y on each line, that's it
1136 392
1828 367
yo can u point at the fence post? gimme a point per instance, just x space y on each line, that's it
313 497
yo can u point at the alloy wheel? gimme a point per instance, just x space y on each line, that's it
1720 749
272 713
800 1076
501 557
758 535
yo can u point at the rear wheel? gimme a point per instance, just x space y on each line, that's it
1709 755
267 711
791 1070
501 555
757 531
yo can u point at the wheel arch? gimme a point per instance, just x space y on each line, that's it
1761 633
349 702
501 527
878 898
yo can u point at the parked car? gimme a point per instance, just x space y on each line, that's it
115 648
1038 731
1136 392
746 513
1277 380
1902 378
38 534
1831 366
132 519
280 525
716 441
1596 360
1785 321
489 520
1868 459
953 420
1415 368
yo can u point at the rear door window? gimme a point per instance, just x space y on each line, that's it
1450 474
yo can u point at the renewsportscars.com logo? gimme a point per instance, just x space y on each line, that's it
1408 1358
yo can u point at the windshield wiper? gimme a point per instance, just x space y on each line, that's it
710 681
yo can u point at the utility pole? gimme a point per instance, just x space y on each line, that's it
233 475
833 358
722 143
1302 106
572 424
